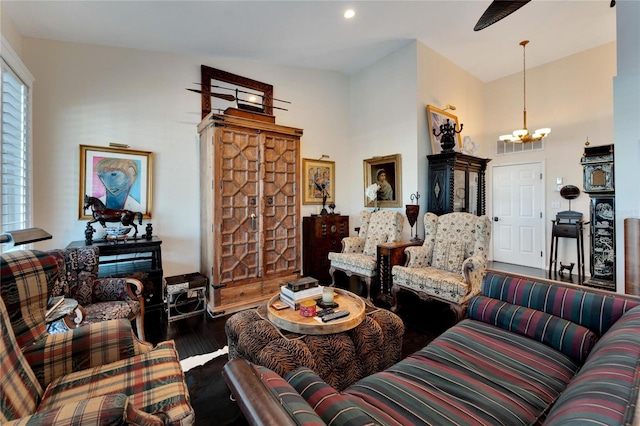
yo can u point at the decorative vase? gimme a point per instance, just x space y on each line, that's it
412 211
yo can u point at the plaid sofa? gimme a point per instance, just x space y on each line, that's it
530 352
97 374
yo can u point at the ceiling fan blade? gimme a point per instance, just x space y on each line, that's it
497 10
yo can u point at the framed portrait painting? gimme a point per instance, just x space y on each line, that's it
120 178
437 117
319 180
387 173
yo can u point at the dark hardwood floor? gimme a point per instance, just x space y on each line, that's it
423 321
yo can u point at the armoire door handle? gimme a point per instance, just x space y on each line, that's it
253 221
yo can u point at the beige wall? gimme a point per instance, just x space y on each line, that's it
9 32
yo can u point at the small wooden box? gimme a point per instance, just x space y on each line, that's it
302 283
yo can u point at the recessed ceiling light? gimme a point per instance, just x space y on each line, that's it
349 13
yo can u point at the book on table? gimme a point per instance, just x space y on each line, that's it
302 294
295 304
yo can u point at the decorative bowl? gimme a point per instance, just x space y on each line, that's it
117 231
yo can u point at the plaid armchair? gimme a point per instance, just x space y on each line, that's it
449 266
358 256
97 374
27 279
102 298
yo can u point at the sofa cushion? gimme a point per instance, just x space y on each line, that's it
333 407
605 391
291 401
473 373
448 256
432 281
571 339
153 381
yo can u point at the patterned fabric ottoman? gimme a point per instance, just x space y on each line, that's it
340 359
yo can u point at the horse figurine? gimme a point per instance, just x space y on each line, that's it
102 214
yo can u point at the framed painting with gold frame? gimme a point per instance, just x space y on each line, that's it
390 195
437 117
319 178
120 178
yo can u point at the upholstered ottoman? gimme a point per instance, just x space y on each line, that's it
340 359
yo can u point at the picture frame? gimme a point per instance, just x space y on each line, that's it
130 179
392 167
436 117
318 174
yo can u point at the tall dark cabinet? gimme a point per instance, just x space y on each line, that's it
597 163
456 183
322 234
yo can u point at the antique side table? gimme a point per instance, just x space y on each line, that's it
389 255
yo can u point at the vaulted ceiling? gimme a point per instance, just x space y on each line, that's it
315 34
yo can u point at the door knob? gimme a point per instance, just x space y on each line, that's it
495 218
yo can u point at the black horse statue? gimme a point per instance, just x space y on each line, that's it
102 214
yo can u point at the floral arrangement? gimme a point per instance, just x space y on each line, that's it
372 191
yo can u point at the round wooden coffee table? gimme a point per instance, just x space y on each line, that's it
291 320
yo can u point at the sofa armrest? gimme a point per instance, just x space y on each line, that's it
257 403
92 345
352 245
417 257
473 270
107 409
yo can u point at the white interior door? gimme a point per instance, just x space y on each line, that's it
518 231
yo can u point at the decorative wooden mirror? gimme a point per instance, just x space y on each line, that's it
208 74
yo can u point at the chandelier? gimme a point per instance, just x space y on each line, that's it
523 135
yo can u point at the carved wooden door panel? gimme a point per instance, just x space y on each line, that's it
281 234
239 228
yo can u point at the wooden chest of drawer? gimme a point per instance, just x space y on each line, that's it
321 235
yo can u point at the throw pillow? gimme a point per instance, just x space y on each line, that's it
448 256
565 336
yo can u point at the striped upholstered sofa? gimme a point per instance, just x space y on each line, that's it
529 352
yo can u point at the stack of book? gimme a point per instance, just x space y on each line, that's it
292 294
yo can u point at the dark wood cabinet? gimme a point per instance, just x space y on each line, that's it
456 183
140 259
321 235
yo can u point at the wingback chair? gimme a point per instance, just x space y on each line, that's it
102 298
96 374
449 266
358 255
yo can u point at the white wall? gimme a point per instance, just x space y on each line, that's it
383 122
627 125
94 95
574 97
441 82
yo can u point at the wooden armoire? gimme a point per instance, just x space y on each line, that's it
250 209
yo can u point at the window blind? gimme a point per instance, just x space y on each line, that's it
15 156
